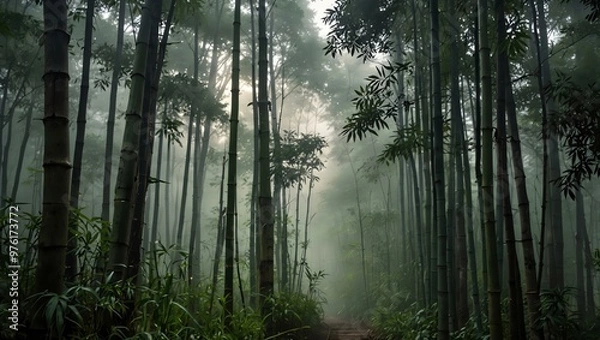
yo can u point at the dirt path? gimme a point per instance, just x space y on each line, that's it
337 329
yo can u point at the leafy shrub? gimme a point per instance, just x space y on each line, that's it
391 323
295 315
470 331
558 317
162 306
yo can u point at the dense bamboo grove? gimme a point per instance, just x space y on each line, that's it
429 168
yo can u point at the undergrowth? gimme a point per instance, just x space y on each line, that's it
394 322
162 306
559 320
296 316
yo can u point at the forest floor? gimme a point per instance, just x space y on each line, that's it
338 329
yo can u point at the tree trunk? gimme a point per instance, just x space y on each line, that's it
439 187
232 171
284 234
423 229
264 195
516 317
555 226
362 233
499 213
110 130
154 66
579 226
6 152
112 109
494 303
461 261
277 176
71 262
451 217
200 164
24 143
462 291
36 191
419 225
52 242
295 272
531 284
470 237
307 220
154 230
430 236
184 184
220 240
478 174
237 261
3 155
402 187
255 168
589 276
193 268
125 187
19 95
6 147
169 225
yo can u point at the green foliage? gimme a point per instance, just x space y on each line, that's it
469 331
21 46
370 117
594 9
297 316
179 89
596 259
558 317
180 92
84 305
360 27
18 26
165 306
83 309
4 27
406 141
187 10
314 279
28 234
104 56
170 127
578 123
298 157
375 103
394 322
517 36
397 321
93 235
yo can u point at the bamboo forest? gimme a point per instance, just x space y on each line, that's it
300 169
